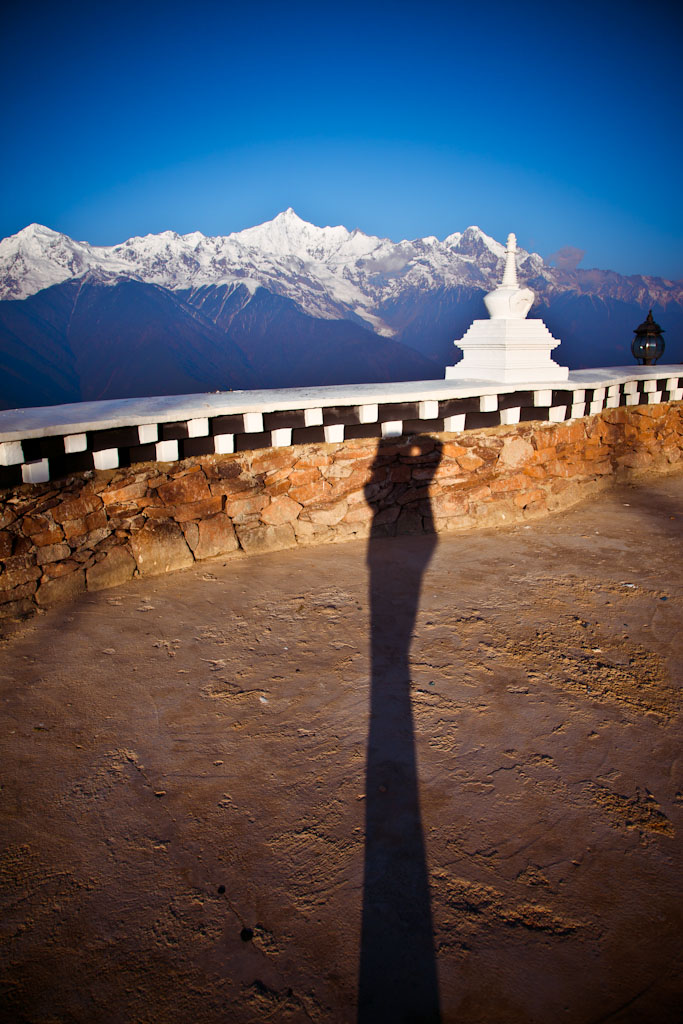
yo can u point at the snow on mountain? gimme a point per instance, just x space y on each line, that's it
288 235
38 257
329 272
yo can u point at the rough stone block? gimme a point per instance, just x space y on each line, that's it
196 509
215 536
306 494
516 482
268 461
515 452
64 588
90 540
185 489
327 516
191 534
351 531
6 518
343 488
74 528
34 524
412 494
281 510
359 514
314 458
55 569
6 542
527 498
118 566
306 532
449 472
409 522
20 560
275 489
299 477
386 515
53 535
449 503
255 539
240 509
96 520
469 462
160 547
450 450
121 495
77 508
239 487
52 553
226 469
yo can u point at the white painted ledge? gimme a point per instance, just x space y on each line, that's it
78 418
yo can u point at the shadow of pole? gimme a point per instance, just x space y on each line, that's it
397 977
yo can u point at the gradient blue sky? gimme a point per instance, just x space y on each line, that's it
558 121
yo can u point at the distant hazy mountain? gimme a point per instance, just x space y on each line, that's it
282 304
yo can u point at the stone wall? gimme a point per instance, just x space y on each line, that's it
97 529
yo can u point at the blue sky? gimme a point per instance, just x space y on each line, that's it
559 122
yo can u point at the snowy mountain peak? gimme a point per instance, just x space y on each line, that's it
36 231
37 257
288 235
34 235
474 242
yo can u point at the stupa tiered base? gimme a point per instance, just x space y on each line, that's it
509 351
508 348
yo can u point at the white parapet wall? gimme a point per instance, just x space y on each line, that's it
52 442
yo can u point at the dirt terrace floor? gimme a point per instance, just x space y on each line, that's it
242 794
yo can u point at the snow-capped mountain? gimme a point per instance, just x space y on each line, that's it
282 303
331 273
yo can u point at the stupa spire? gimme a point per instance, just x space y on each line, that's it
510 275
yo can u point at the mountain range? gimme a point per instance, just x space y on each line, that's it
283 304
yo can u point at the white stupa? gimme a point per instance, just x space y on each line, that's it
508 348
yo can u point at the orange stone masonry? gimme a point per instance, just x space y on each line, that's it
98 529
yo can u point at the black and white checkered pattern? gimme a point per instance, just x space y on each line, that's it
38 459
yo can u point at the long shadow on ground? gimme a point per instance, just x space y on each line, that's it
398 979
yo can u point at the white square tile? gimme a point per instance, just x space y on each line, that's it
11 453
107 458
281 437
313 417
454 424
368 413
148 432
198 427
334 433
224 444
428 410
75 443
253 422
167 451
35 472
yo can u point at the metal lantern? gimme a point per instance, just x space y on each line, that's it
648 344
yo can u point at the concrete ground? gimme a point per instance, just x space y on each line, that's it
241 794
